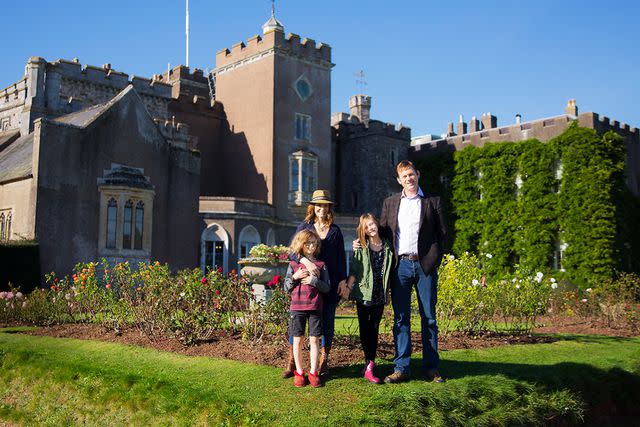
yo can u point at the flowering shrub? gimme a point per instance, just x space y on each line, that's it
462 295
274 282
269 254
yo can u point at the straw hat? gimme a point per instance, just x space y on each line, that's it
321 197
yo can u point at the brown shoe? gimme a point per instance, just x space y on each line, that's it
396 377
291 365
434 376
314 380
324 362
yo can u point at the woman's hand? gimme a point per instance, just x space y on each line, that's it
311 267
356 245
343 290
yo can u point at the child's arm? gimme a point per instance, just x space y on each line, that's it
289 282
322 283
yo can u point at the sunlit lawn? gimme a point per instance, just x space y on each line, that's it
53 381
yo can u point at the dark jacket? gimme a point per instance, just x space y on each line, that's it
432 235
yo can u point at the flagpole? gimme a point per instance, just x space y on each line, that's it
187 31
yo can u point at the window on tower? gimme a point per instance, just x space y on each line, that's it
303 127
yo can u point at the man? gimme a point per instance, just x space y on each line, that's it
415 222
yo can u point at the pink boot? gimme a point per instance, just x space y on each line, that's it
368 373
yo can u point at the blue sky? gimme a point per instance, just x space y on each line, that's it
425 62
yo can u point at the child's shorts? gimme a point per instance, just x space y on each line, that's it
298 321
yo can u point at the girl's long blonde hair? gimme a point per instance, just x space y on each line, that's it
361 231
301 237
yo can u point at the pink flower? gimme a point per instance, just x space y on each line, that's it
219 270
583 300
218 292
203 281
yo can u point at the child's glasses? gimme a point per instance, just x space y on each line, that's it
309 244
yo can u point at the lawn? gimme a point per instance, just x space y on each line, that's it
53 381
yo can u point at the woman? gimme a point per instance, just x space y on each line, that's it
319 218
368 285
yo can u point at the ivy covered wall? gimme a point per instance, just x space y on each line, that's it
562 204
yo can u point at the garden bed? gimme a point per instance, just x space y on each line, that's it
272 350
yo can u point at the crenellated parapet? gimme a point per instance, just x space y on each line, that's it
174 132
604 124
349 127
274 42
107 76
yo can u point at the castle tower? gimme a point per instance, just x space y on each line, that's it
276 93
360 106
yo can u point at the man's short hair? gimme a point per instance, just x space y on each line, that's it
405 164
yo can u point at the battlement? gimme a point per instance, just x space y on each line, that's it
276 40
605 124
107 76
182 72
173 131
346 126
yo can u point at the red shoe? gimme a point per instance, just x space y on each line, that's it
368 373
299 380
314 380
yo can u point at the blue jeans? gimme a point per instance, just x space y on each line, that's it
407 275
328 324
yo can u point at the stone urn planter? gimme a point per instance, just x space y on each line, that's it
259 274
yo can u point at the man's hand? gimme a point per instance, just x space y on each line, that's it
356 245
343 290
311 267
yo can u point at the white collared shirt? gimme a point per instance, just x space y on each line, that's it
409 223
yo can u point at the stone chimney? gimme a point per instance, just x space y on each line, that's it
518 119
572 108
450 131
474 124
360 106
462 126
489 121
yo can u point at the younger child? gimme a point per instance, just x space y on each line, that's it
306 303
368 285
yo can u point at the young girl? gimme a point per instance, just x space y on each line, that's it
306 303
368 285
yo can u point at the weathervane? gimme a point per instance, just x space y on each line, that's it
360 81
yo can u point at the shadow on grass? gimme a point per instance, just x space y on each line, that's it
611 396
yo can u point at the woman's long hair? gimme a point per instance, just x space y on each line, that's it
361 230
311 214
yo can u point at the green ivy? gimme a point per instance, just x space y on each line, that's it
587 206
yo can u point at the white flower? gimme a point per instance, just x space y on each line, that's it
475 282
489 256
517 286
514 280
589 289
553 280
583 300
538 279
481 304
466 252
451 257
181 294
554 285
539 274
18 294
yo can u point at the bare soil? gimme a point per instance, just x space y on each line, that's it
273 350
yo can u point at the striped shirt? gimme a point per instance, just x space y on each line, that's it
305 297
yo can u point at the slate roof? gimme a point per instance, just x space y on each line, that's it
16 159
83 117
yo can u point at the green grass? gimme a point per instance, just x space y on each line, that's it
52 381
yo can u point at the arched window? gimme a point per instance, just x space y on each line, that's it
214 248
271 237
2 225
139 224
249 237
112 213
126 228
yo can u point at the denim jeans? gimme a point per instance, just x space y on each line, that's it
328 324
405 277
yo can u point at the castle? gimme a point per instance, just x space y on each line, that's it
195 169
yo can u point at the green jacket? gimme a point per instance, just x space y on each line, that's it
362 271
